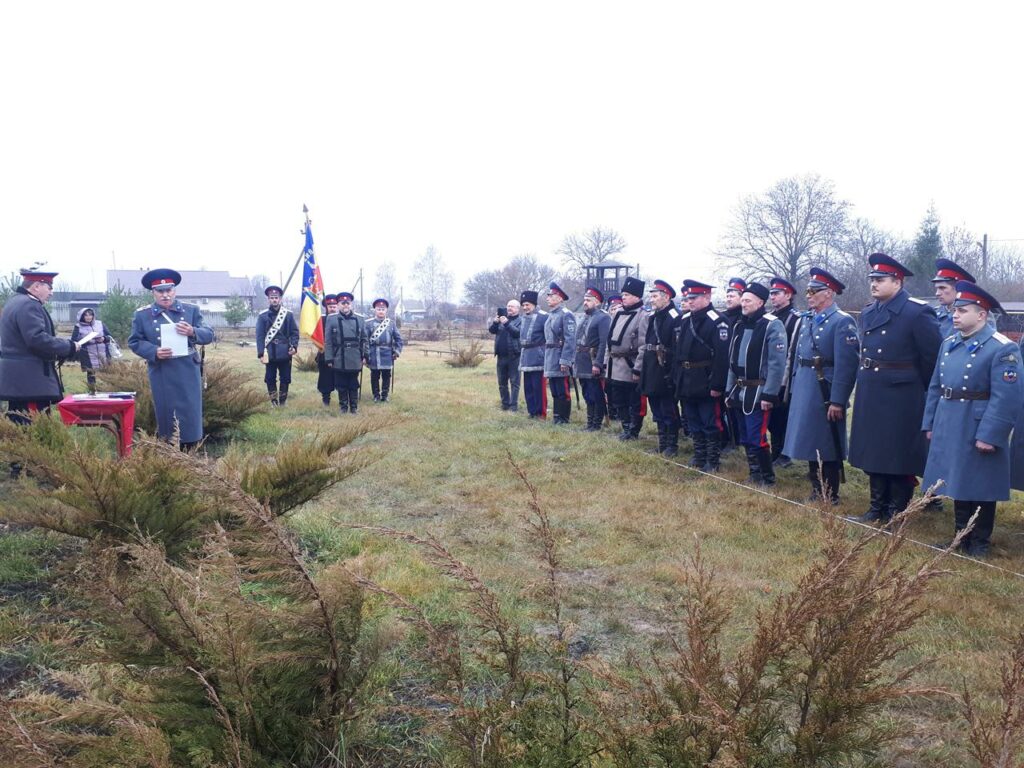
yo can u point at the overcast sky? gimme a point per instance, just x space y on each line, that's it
190 134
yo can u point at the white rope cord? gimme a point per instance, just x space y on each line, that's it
816 510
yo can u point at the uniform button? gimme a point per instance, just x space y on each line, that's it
879 350
883 333
965 376
968 365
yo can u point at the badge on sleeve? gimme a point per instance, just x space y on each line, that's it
851 338
723 333
779 346
1008 358
1010 375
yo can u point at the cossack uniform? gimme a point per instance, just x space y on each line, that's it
975 394
823 370
948 271
789 317
701 366
899 344
346 349
559 354
654 366
277 337
384 346
623 350
324 375
591 352
531 357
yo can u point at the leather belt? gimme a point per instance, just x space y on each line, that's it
749 382
651 347
627 353
868 363
533 345
809 362
556 345
948 393
687 365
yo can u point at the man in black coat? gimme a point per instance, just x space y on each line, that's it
277 341
505 328
899 346
701 366
655 367
29 349
780 294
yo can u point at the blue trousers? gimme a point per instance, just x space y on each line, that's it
665 410
753 428
593 394
535 393
704 415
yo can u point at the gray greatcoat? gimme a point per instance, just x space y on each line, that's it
832 336
345 341
177 383
899 344
756 356
559 342
531 341
591 343
976 393
29 350
625 335
386 347
1017 444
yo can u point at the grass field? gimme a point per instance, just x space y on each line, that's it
626 518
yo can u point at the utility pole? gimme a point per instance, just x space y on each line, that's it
984 258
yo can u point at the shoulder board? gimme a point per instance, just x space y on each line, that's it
673 313
542 312
713 315
144 306
770 316
686 315
919 301
1002 339
267 311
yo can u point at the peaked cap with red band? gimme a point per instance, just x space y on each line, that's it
969 293
887 266
696 288
160 279
553 288
330 298
950 272
661 285
736 284
778 284
345 296
381 303
822 279
594 293
29 276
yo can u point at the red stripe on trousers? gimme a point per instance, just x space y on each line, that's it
543 397
764 428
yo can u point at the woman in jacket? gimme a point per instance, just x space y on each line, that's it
95 353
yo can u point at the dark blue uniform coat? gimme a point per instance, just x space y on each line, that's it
387 346
28 351
986 362
592 343
177 383
831 335
1017 445
531 341
886 437
287 336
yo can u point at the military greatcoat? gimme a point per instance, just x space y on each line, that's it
384 346
559 342
899 345
177 382
976 393
1017 444
345 342
624 340
531 341
29 350
831 336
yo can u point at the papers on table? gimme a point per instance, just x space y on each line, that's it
172 340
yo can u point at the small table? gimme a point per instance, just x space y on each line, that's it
115 414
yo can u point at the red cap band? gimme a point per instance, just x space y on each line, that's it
887 268
979 300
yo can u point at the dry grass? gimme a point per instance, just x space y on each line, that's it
469 356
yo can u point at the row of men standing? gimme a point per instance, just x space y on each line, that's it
919 375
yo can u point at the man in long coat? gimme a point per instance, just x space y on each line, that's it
29 349
591 351
346 351
625 336
899 345
324 374
947 274
176 380
655 366
780 296
531 355
277 341
974 399
559 352
384 346
823 370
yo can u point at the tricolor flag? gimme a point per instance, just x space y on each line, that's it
312 293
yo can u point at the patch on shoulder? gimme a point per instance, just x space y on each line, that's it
1009 357
1010 375
780 346
922 302
851 339
723 332
713 315
770 316
1001 338
673 313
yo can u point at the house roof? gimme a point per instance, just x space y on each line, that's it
609 263
77 297
196 283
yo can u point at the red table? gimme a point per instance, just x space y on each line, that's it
116 414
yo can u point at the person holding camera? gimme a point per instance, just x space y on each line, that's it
505 327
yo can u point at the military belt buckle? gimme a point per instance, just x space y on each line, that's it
947 393
867 362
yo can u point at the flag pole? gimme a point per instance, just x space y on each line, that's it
302 253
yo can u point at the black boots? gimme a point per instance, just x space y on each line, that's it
753 464
714 456
700 451
561 410
282 397
272 394
879 505
593 419
829 471
385 392
976 543
631 427
671 442
343 400
764 456
662 437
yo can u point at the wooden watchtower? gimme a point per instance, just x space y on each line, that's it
607 276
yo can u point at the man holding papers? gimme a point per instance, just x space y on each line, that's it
166 333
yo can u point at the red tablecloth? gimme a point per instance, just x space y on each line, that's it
114 413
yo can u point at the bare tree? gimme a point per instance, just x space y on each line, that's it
496 286
592 247
796 223
385 281
851 264
258 284
432 279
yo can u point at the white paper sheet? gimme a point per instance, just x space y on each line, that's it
172 340
87 338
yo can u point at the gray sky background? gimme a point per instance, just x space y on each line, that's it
190 134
